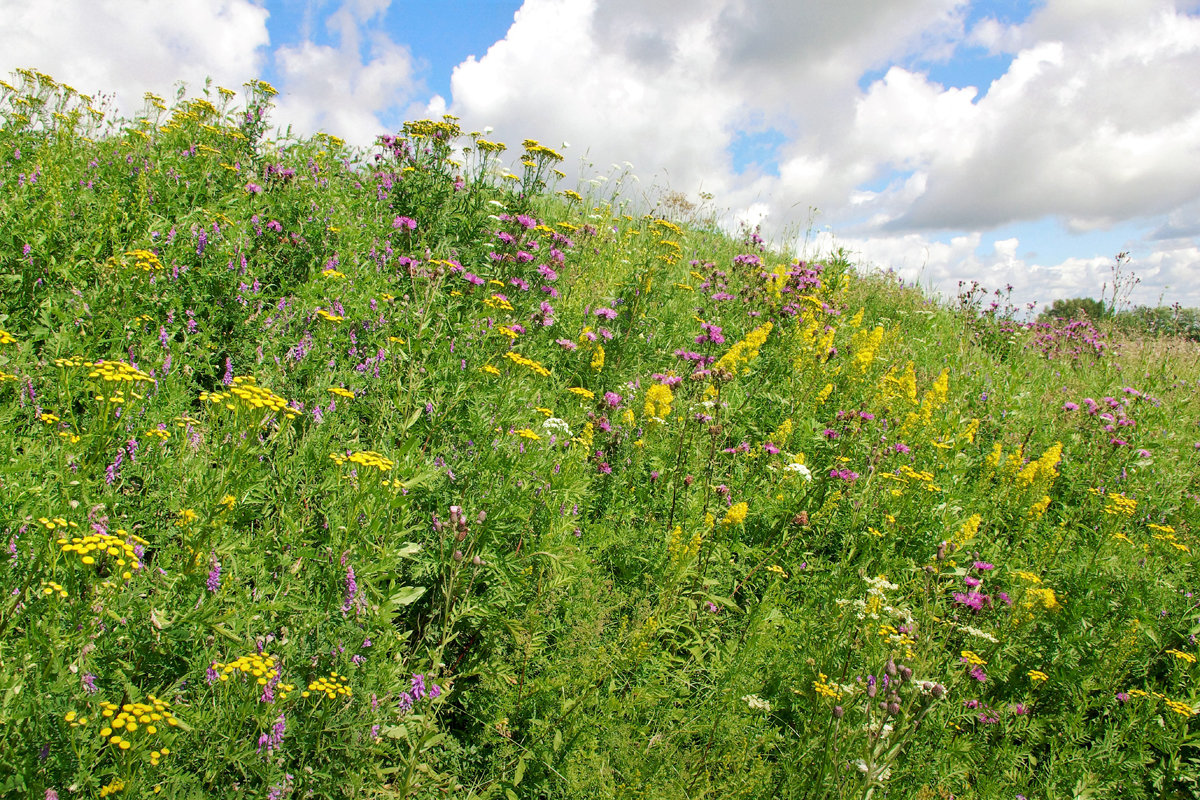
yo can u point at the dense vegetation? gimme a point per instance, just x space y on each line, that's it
393 473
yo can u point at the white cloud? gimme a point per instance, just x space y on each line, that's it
357 89
129 47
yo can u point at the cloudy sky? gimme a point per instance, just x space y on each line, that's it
1004 141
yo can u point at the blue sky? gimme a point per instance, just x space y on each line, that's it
1004 141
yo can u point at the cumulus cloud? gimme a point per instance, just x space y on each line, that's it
1095 129
129 47
357 89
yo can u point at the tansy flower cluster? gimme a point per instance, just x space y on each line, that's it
127 722
366 458
331 686
261 667
528 363
121 549
243 392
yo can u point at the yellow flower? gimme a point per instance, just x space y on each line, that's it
229 501
1037 676
658 402
736 514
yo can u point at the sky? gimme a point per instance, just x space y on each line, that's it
1010 142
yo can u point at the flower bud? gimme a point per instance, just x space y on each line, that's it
890 668
838 711
893 708
482 516
938 691
905 673
458 555
477 561
871 690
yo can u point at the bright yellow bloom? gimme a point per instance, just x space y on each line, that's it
736 514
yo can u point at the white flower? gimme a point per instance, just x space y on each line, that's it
801 470
556 426
756 703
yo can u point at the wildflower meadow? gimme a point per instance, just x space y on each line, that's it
406 472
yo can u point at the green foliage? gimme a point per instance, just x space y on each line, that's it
1073 308
345 473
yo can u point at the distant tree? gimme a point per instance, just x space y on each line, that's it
1074 307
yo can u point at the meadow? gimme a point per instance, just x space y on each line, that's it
404 472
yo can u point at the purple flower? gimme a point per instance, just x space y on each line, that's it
972 600
605 313
272 741
89 683
1069 406
351 590
214 574
1122 697
983 565
613 399
404 222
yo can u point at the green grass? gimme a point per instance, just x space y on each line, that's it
658 512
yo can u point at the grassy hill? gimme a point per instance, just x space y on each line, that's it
389 473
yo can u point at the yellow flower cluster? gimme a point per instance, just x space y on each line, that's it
1041 470
250 396
1119 505
584 440
1178 707
50 587
972 658
526 433
1039 508
325 315
74 719
340 392
1182 656
933 399
134 717
104 544
598 358
528 363
498 302
680 550
6 337
1043 595
736 514
1037 676
367 458
114 786
864 345
744 351
826 687
658 402
903 385
140 260
968 530
331 687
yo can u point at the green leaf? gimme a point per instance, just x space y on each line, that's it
407 595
